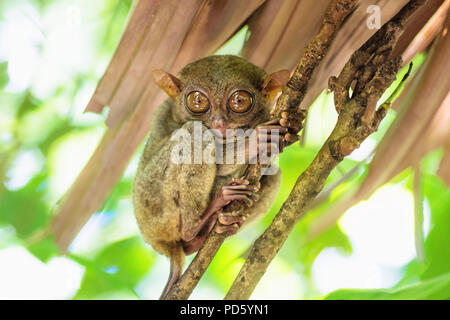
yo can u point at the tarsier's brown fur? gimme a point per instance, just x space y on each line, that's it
170 199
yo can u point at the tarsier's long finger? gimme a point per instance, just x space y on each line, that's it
268 123
269 147
227 193
229 219
245 198
243 187
292 122
271 138
290 138
268 129
294 125
263 137
230 230
248 190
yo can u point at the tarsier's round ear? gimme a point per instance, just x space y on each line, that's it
274 82
169 83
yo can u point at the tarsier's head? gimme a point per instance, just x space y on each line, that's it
224 92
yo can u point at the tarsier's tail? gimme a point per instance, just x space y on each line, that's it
176 267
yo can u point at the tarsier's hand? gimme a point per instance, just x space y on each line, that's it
276 134
236 189
293 122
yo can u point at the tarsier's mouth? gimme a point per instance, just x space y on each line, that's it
224 136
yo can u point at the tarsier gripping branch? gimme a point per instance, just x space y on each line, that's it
215 123
185 187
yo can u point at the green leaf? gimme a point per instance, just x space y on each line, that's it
97 282
29 103
44 249
122 190
437 253
334 237
4 78
118 266
25 209
130 256
434 289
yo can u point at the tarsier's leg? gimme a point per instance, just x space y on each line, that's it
196 243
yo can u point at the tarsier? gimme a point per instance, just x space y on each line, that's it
177 205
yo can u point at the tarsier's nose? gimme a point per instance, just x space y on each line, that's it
218 126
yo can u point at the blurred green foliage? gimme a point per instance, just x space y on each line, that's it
437 288
45 140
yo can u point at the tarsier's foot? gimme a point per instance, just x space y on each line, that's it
237 189
229 224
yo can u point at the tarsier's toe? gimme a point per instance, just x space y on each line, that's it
293 122
290 138
230 219
230 230
247 198
242 192
269 128
245 188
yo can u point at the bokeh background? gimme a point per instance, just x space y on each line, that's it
52 54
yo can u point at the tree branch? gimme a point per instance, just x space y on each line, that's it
289 101
295 90
358 117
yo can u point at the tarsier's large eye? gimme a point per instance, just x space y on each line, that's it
197 102
240 101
